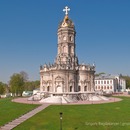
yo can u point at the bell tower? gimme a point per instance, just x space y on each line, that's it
66 75
66 42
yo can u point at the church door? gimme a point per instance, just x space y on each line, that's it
59 89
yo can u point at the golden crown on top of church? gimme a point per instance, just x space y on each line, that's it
66 21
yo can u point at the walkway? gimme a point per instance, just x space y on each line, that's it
23 118
111 99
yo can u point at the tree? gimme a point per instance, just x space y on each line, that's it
37 84
24 75
31 85
127 78
99 74
2 88
17 84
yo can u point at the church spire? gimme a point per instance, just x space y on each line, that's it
66 43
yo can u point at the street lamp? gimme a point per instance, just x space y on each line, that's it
61 120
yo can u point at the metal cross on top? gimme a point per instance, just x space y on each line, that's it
66 10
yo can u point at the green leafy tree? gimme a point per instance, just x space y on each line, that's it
127 78
17 84
99 74
31 85
37 84
24 75
2 88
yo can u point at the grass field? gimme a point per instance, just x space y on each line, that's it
11 110
110 116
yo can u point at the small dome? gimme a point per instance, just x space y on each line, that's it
66 23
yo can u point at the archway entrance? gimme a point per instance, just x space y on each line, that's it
70 88
59 89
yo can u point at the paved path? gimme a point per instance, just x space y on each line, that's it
25 101
111 99
23 118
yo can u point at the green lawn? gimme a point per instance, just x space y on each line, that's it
110 116
11 110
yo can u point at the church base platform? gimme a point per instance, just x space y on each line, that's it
70 97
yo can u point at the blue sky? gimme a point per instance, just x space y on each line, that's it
28 34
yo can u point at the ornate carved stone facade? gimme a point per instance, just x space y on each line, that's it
66 74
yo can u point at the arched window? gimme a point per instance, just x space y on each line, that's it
70 88
64 37
79 88
48 88
64 49
69 49
71 38
85 88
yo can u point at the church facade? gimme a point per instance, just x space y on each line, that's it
66 74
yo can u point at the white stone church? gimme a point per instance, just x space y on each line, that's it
66 75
